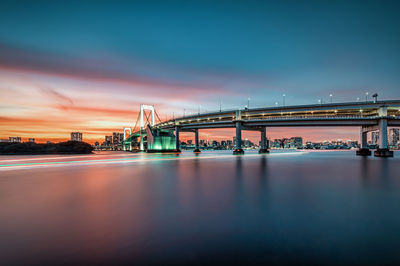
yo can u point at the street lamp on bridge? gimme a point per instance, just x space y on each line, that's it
284 95
330 95
375 96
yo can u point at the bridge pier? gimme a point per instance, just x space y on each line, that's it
238 145
383 150
141 141
263 148
364 150
177 141
196 141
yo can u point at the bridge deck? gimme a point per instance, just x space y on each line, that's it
338 114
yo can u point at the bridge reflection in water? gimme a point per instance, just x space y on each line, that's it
368 116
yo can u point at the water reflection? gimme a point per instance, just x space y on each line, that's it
260 209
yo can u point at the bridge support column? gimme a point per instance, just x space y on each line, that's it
263 146
383 150
364 150
238 145
177 141
141 141
196 141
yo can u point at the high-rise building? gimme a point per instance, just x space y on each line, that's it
117 137
76 136
14 139
374 137
108 140
394 136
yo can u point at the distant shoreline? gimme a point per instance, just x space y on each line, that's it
27 148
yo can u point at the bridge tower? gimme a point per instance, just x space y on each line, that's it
130 133
143 123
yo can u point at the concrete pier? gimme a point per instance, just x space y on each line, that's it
383 150
263 148
238 145
177 141
196 141
364 150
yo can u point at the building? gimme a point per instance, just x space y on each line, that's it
229 144
374 138
14 139
394 136
117 138
296 142
108 140
76 136
31 140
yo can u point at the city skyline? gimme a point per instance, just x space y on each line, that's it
87 74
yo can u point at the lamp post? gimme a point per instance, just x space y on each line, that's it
330 95
375 96
220 106
358 99
366 96
276 104
248 103
283 96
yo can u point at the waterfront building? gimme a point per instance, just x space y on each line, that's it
117 137
296 142
108 140
76 136
31 140
374 138
14 139
393 136
229 144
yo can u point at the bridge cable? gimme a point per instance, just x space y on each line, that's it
157 116
137 119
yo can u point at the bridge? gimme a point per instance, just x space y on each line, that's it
368 116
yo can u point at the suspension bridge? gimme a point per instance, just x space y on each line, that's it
369 116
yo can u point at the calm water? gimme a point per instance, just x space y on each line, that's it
111 208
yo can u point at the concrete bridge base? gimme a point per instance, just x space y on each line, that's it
383 153
363 152
238 151
263 151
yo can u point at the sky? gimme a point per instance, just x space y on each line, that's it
88 65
